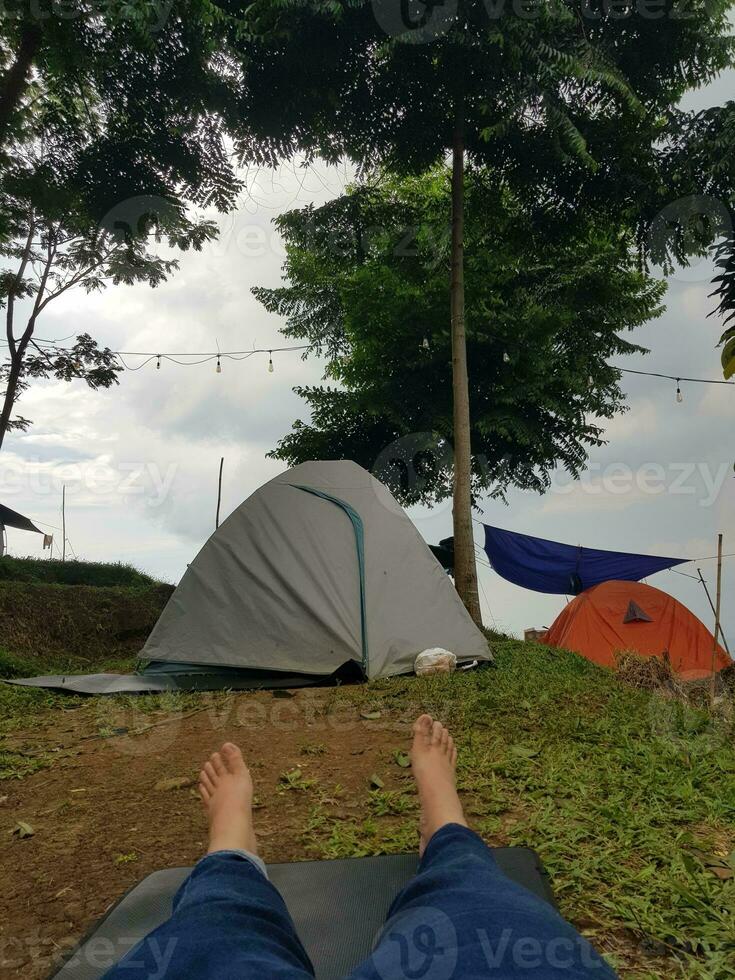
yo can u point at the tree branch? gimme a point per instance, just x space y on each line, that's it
75 280
50 256
10 313
15 79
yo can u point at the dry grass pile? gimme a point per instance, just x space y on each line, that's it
648 673
655 674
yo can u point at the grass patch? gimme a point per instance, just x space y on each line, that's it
54 572
628 797
18 765
294 779
21 706
79 626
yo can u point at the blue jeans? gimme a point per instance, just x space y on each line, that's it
460 917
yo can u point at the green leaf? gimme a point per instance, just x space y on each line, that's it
690 865
376 782
728 359
23 829
402 759
370 715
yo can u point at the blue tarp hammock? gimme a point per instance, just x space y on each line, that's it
564 569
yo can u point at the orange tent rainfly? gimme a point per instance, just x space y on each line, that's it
615 616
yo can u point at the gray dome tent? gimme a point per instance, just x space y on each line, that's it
319 568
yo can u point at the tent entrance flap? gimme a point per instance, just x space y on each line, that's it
359 531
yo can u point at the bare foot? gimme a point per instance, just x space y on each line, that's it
433 760
227 792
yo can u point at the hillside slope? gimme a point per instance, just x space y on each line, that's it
75 627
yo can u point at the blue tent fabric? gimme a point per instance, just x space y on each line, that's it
564 569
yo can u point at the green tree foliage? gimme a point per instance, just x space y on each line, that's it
140 91
55 244
711 150
582 81
565 101
725 281
692 212
549 301
113 118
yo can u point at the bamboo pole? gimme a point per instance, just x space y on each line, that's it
219 491
718 600
63 523
712 607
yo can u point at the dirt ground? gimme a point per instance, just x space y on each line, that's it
115 805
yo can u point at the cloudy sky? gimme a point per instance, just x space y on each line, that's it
140 461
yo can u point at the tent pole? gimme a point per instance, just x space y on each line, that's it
712 607
2 540
219 491
718 600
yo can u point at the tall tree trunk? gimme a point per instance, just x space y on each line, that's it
465 568
17 348
15 79
11 389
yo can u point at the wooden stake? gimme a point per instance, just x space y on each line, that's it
718 600
63 523
219 491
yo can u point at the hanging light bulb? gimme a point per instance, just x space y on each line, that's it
590 381
679 395
506 357
158 363
219 366
270 362
425 343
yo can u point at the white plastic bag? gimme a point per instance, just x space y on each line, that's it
435 661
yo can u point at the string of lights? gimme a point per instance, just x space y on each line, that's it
678 380
673 377
204 357
194 358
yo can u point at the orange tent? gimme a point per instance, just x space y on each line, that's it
615 616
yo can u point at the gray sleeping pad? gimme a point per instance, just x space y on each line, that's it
338 908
